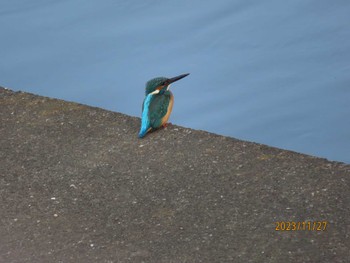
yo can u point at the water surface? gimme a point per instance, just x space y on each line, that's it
273 72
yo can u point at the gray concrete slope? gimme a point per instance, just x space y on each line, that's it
77 185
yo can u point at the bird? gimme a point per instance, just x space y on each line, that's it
158 103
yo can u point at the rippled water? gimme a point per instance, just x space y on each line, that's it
273 72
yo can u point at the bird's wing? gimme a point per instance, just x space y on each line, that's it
158 109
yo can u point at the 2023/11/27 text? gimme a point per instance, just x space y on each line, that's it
301 225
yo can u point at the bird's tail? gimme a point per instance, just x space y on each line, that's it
143 131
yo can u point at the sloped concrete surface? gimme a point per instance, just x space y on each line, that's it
77 185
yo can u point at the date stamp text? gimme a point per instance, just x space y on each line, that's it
301 226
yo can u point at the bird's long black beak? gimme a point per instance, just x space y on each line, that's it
177 78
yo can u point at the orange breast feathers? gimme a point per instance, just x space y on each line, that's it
170 108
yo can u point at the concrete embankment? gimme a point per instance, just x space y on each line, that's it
77 185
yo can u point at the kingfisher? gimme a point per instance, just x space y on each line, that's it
158 104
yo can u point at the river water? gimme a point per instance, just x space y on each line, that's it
274 72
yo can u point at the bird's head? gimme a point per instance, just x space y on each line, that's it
161 84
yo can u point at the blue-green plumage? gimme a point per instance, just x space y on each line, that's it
158 103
